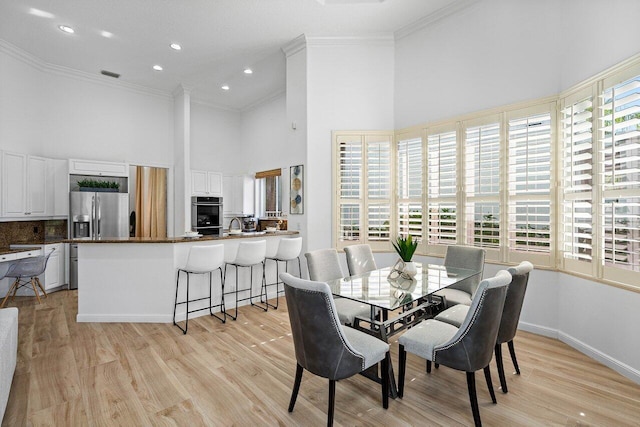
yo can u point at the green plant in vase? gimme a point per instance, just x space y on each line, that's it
405 247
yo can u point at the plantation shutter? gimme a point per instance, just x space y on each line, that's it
441 189
378 187
410 174
482 187
576 123
529 187
350 161
619 142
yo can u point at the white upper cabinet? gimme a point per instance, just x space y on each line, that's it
204 183
24 185
238 198
98 168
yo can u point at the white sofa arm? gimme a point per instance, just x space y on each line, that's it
8 353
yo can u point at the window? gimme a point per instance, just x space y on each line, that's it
364 188
529 186
442 188
619 143
576 124
482 186
410 176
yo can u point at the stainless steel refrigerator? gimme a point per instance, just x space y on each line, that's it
95 216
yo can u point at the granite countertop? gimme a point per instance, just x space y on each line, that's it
182 239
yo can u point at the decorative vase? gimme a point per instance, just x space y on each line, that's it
410 269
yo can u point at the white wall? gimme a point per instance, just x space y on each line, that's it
215 138
263 132
492 53
64 114
596 37
498 52
349 86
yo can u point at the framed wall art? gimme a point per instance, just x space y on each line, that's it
296 190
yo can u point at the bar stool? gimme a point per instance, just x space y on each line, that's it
288 250
249 255
201 260
26 271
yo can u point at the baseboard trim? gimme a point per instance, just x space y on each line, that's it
621 368
538 330
124 318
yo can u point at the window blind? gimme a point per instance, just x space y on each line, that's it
482 185
577 165
441 188
409 173
620 151
350 167
529 185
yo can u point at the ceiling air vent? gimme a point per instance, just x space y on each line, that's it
109 74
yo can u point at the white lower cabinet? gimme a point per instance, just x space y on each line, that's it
54 274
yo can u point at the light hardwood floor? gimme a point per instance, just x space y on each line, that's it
241 373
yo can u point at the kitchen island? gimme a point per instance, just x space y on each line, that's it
134 279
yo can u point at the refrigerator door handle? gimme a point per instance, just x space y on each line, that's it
98 216
93 217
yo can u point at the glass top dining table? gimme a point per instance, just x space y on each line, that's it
379 290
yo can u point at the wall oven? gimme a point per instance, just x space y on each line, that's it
206 215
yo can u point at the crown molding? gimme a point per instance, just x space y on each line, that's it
372 40
295 45
430 19
264 100
40 65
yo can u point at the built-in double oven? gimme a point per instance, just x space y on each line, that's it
206 215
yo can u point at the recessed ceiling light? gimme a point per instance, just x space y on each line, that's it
106 34
224 87
66 29
40 13
157 67
248 71
175 46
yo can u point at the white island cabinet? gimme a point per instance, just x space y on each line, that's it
134 279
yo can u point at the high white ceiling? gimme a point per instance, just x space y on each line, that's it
219 38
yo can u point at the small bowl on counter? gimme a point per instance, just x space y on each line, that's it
271 229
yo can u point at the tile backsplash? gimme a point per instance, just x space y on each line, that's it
31 232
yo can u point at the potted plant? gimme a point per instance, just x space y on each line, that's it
406 247
98 185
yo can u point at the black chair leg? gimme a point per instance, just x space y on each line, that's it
487 376
332 402
471 384
503 380
512 351
296 387
428 366
384 371
402 361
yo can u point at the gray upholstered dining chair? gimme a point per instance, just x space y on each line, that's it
25 272
463 257
360 259
468 348
510 317
324 265
322 346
